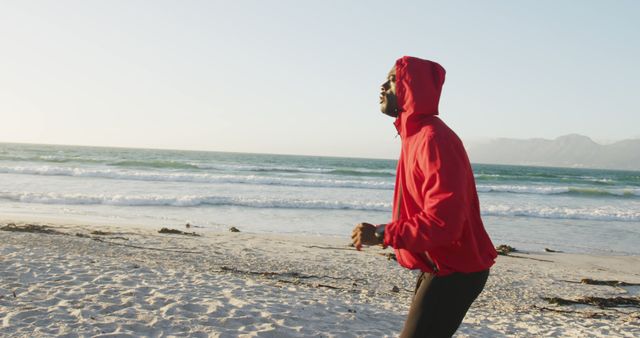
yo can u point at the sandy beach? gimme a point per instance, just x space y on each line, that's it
133 281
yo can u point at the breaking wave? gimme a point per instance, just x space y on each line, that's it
604 213
559 190
199 177
189 201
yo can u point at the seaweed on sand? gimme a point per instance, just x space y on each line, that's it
606 282
505 250
101 233
177 232
601 302
389 256
34 228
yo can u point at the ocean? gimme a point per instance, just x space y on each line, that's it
530 208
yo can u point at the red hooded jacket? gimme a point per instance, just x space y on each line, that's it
436 223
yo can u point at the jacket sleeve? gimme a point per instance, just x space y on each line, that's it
440 221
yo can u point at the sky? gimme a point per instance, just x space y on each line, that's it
303 77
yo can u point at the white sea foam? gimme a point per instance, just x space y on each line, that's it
523 189
245 167
306 181
604 213
557 190
146 175
189 201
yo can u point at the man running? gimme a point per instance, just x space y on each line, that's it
436 224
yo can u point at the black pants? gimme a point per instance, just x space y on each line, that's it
440 303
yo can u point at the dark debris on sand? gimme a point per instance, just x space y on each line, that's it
34 228
606 282
505 250
600 302
101 233
177 232
389 256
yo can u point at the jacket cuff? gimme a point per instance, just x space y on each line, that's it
390 237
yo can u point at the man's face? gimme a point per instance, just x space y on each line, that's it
388 99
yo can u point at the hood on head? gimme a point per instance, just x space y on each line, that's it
418 87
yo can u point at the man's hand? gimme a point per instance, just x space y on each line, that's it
364 234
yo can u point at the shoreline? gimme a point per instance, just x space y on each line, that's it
135 281
537 247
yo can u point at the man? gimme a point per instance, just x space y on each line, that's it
436 225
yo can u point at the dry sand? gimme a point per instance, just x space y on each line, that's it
137 282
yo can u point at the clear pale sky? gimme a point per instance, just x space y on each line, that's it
303 77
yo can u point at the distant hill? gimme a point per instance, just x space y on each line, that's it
572 150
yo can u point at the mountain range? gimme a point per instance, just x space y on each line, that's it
576 151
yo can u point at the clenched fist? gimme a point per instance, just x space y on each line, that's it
364 234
